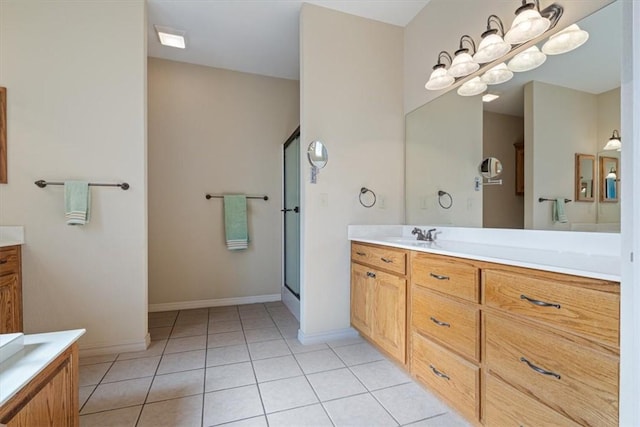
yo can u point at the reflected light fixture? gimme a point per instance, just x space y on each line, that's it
463 64
527 60
614 143
566 40
473 87
170 37
498 74
489 97
492 45
528 24
440 78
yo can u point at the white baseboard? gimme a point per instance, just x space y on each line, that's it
186 305
322 337
103 348
291 302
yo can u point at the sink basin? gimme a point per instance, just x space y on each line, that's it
10 344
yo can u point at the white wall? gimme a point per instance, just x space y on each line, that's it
214 131
75 74
443 152
351 99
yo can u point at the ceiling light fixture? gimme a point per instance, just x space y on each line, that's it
171 37
527 60
463 64
498 74
492 45
490 97
614 143
439 78
473 87
528 24
566 40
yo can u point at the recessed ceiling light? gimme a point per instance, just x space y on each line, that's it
490 97
170 37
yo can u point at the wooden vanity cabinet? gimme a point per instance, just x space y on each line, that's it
378 297
10 290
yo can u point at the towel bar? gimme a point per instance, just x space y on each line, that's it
42 183
219 196
542 199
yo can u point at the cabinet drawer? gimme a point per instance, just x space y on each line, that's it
448 275
581 310
505 406
579 382
385 258
455 379
453 323
9 260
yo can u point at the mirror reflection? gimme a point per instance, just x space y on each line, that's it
609 171
585 177
490 168
538 123
317 154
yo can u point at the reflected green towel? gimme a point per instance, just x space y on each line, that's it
77 200
558 214
235 222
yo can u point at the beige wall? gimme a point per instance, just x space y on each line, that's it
351 99
443 152
501 206
214 131
76 110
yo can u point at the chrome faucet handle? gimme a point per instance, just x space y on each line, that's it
430 234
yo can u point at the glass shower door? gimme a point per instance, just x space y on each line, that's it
291 213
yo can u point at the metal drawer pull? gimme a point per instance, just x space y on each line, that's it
387 260
539 370
4 261
438 373
539 303
439 277
361 253
370 274
439 323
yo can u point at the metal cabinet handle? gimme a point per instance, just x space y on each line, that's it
439 323
387 260
3 261
361 253
438 373
370 274
439 277
539 303
539 370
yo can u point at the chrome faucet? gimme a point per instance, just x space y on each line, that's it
427 237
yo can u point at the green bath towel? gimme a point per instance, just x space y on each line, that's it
77 202
235 222
558 214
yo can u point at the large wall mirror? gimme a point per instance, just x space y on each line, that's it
568 105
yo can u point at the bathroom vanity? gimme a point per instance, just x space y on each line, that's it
11 239
507 335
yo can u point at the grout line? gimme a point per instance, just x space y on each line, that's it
115 409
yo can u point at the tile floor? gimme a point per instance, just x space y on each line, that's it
243 366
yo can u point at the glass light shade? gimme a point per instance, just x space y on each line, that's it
439 79
473 87
566 40
527 60
613 144
498 74
491 48
463 65
527 25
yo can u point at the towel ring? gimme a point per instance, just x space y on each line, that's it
365 190
440 195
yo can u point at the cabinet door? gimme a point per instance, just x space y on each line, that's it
361 293
389 314
10 304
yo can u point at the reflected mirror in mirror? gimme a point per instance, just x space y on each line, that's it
317 154
585 174
609 173
491 168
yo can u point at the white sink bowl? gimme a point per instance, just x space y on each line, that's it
10 344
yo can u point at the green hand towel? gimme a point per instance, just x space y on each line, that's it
558 214
77 200
235 222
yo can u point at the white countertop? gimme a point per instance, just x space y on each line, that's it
39 350
11 235
594 255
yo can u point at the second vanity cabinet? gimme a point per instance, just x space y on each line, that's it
10 290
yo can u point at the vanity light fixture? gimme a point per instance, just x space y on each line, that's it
527 60
473 87
171 37
440 78
566 40
528 24
488 97
463 64
492 45
498 74
614 143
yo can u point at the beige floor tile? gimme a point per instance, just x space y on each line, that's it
380 374
225 339
286 394
218 326
257 323
318 361
346 341
161 333
229 376
276 368
409 403
228 316
260 421
157 320
266 349
356 354
335 384
84 393
265 334
449 419
297 347
360 410
289 332
117 395
189 330
93 360
227 355
92 374
232 405
130 369
307 416
179 384
125 417
178 362
183 412
179 345
156 348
